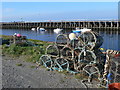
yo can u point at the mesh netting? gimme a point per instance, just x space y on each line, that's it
52 50
115 70
61 40
62 64
79 54
67 52
46 61
87 57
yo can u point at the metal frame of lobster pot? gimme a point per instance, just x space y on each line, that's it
114 71
61 41
48 60
91 39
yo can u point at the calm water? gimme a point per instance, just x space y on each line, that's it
111 37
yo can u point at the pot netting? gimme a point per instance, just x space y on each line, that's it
61 39
52 50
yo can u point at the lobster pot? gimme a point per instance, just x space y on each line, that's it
91 39
46 61
76 53
61 64
84 58
100 59
67 53
52 50
87 57
61 40
99 40
115 70
75 43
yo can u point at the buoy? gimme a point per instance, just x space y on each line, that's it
18 35
109 76
102 49
72 36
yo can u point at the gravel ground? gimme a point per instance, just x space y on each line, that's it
14 76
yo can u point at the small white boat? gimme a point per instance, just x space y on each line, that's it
33 29
57 30
40 29
78 30
85 30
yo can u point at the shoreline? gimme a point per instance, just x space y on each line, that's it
10 36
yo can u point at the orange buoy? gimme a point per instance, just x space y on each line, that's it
114 86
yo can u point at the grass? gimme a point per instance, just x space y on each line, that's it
6 36
43 66
80 76
25 52
32 66
64 72
19 64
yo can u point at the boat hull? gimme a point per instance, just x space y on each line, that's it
74 31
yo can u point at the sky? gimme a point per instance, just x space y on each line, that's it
62 11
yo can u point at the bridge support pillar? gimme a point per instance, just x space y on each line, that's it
117 24
111 24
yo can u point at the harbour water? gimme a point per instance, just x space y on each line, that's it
111 37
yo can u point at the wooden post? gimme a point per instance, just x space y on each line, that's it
88 24
105 24
117 24
111 24
83 24
99 24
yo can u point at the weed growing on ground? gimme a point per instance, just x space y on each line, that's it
32 66
80 76
19 64
64 72
25 52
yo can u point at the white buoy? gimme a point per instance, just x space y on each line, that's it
72 36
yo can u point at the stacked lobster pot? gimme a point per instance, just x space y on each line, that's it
111 68
80 54
114 71
73 55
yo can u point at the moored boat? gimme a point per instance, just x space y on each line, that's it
40 29
85 30
78 30
57 30
33 29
